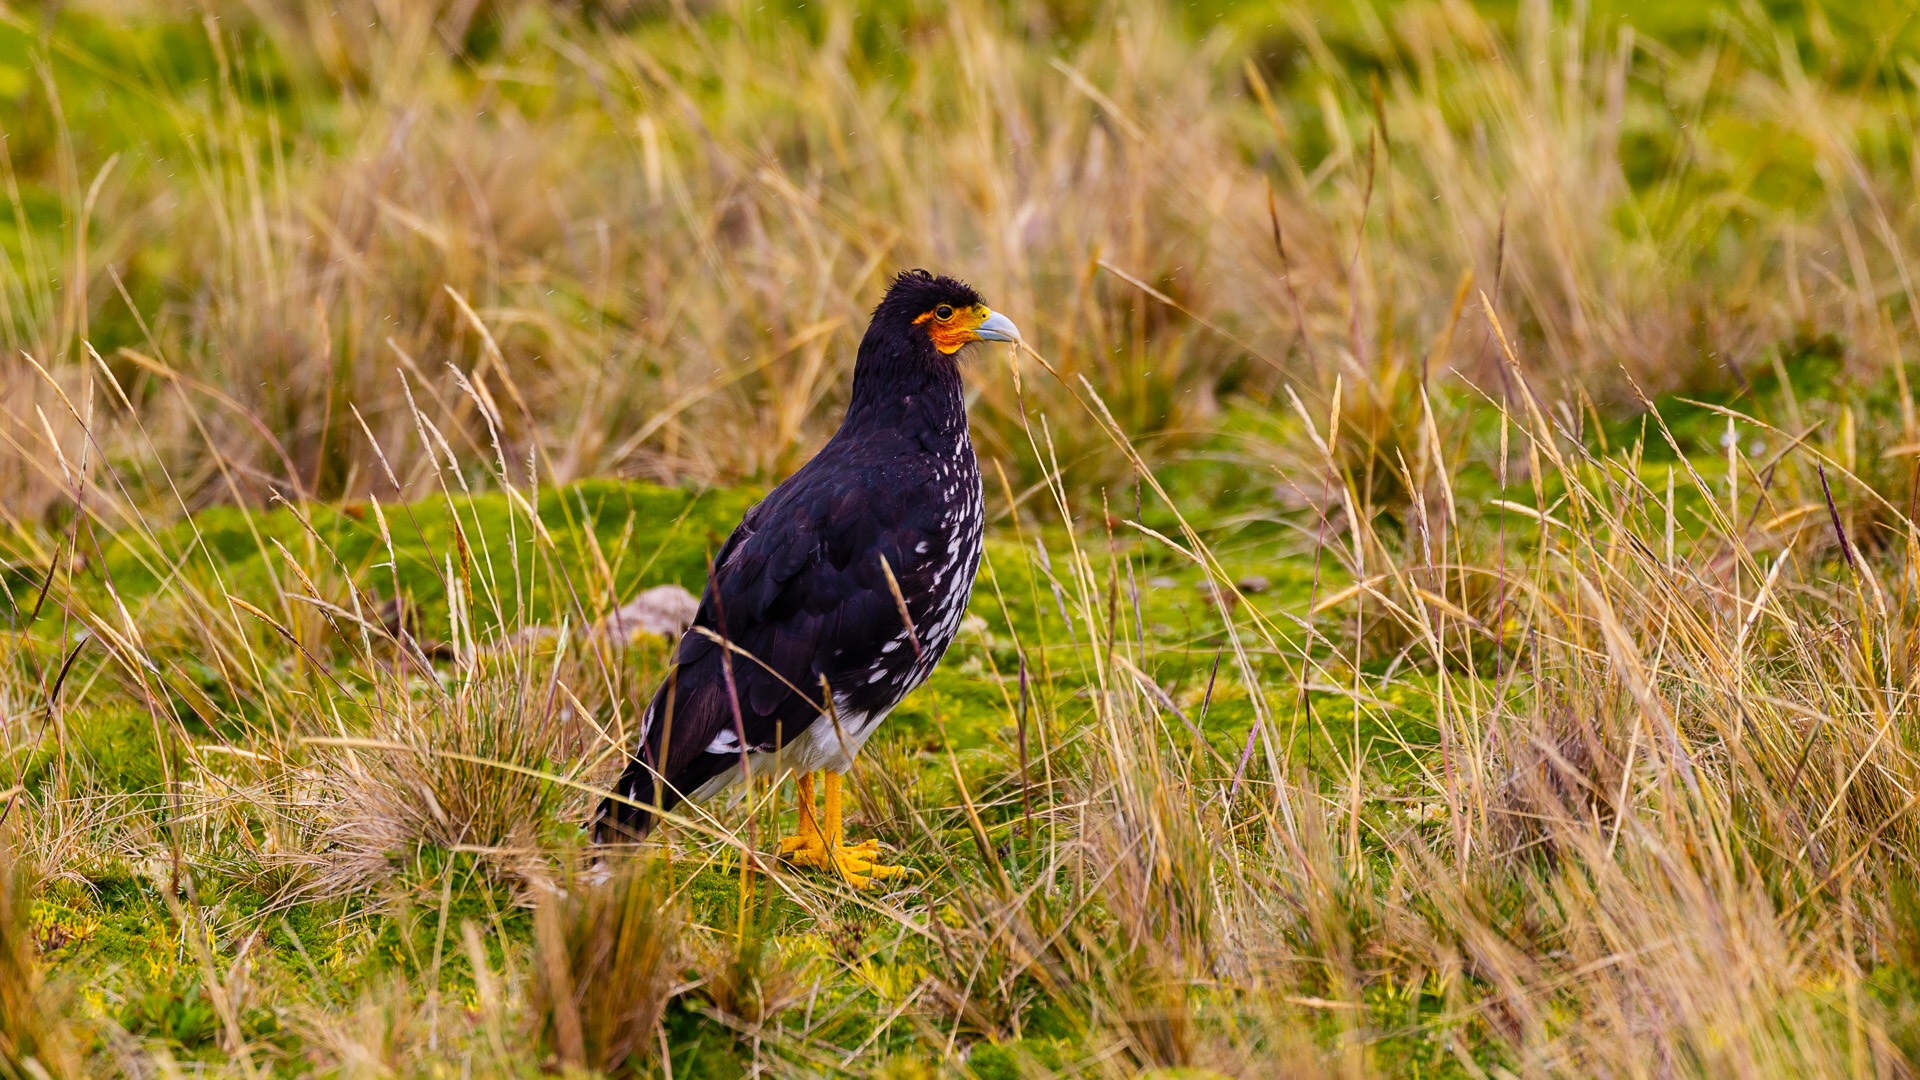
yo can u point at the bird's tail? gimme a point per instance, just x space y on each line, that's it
643 792
628 814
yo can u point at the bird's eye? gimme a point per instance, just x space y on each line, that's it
943 312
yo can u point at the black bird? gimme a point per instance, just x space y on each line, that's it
810 586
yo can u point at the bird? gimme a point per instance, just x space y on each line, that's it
835 596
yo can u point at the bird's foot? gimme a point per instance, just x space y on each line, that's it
808 848
859 863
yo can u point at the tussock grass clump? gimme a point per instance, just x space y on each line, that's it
387 1031
610 955
488 766
36 1041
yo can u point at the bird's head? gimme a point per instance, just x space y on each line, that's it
922 311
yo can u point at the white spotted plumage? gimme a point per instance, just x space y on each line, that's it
830 746
892 504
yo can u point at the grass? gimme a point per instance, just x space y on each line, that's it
1450 603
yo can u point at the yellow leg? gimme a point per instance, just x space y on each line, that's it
858 863
807 847
827 848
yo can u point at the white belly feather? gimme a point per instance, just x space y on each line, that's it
819 747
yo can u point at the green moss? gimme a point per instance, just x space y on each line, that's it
135 930
175 1010
116 747
600 540
702 1050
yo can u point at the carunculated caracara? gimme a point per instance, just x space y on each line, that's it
808 590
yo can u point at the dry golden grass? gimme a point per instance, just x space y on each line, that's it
608 955
654 245
35 1041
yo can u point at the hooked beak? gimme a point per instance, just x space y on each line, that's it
997 328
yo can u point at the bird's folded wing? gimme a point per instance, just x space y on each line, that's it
799 592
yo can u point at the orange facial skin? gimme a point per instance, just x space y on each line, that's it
957 330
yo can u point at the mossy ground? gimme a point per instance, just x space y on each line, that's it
112 924
121 927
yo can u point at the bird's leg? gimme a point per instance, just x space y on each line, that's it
858 863
836 826
807 846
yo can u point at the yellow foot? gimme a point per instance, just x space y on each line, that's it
858 863
808 848
826 849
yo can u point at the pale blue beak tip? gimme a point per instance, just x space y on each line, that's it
998 328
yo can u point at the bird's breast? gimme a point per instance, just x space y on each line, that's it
939 555
953 555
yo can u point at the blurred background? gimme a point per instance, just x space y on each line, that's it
652 231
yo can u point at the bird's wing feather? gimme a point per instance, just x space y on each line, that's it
798 587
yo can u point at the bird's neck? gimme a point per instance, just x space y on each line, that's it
919 393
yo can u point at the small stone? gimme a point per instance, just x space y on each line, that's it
1253 583
666 610
1220 596
1161 582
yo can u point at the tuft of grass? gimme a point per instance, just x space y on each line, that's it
609 954
35 1038
482 767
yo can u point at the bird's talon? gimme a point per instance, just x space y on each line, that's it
821 844
856 863
809 852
